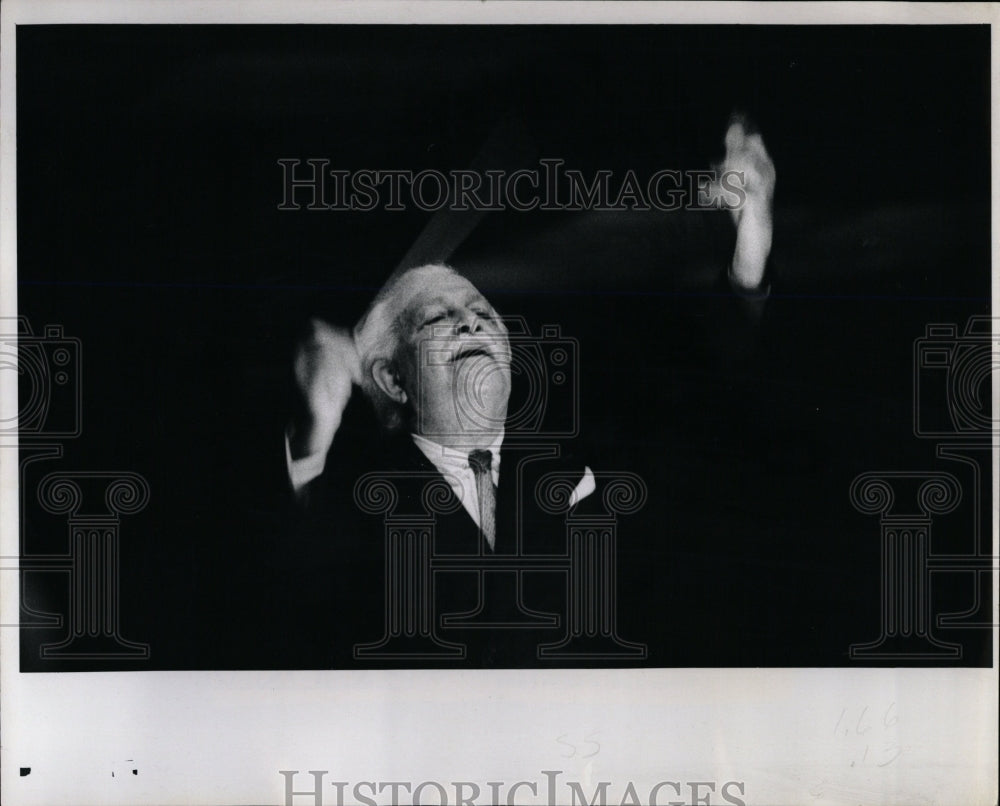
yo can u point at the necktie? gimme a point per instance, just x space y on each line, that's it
481 462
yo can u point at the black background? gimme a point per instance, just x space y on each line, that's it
148 227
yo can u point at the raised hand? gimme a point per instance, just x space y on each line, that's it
746 155
326 367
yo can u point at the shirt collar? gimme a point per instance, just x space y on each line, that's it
445 458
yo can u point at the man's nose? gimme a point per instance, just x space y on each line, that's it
469 322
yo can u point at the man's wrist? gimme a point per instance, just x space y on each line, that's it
761 290
303 469
305 438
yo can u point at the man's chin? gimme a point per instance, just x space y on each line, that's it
480 370
484 406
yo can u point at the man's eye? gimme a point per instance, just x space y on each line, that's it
483 314
432 320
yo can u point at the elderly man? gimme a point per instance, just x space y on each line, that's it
432 356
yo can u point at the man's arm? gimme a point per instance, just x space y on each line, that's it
747 156
326 367
733 314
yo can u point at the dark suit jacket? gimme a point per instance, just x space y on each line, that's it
330 576
336 564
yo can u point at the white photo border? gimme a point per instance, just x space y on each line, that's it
222 737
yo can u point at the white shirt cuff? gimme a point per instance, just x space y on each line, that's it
302 471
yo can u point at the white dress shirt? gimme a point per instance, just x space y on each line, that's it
452 464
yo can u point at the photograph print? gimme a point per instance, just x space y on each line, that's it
503 346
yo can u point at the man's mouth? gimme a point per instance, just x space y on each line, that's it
469 351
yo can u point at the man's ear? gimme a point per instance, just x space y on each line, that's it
387 378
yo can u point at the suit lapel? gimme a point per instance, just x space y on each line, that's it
454 531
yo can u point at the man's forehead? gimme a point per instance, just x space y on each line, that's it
441 290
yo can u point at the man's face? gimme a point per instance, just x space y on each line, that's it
455 360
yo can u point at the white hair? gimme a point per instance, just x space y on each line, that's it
378 334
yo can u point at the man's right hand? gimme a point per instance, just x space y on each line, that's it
747 156
326 366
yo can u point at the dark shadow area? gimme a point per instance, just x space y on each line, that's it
149 229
